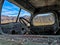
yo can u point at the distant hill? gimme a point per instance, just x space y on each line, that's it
7 19
39 20
27 17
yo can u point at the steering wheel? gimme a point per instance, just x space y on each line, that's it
25 29
23 20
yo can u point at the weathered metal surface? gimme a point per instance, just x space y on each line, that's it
33 5
40 3
29 40
23 4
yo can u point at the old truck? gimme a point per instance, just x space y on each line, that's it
43 28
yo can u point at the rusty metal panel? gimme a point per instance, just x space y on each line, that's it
29 40
40 3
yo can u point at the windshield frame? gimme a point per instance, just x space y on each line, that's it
1 5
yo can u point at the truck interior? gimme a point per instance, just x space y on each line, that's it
40 27
44 19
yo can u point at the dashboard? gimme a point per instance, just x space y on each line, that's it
21 29
13 28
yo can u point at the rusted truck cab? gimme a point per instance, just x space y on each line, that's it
44 24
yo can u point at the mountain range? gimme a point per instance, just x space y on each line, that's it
6 19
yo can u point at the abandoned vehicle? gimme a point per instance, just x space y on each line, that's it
43 24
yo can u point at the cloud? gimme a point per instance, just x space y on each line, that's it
9 9
12 10
10 13
23 13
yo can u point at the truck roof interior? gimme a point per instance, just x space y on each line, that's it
35 5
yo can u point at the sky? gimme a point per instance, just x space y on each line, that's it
10 9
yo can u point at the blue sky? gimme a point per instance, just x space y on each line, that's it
10 9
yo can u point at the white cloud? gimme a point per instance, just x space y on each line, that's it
9 12
13 10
